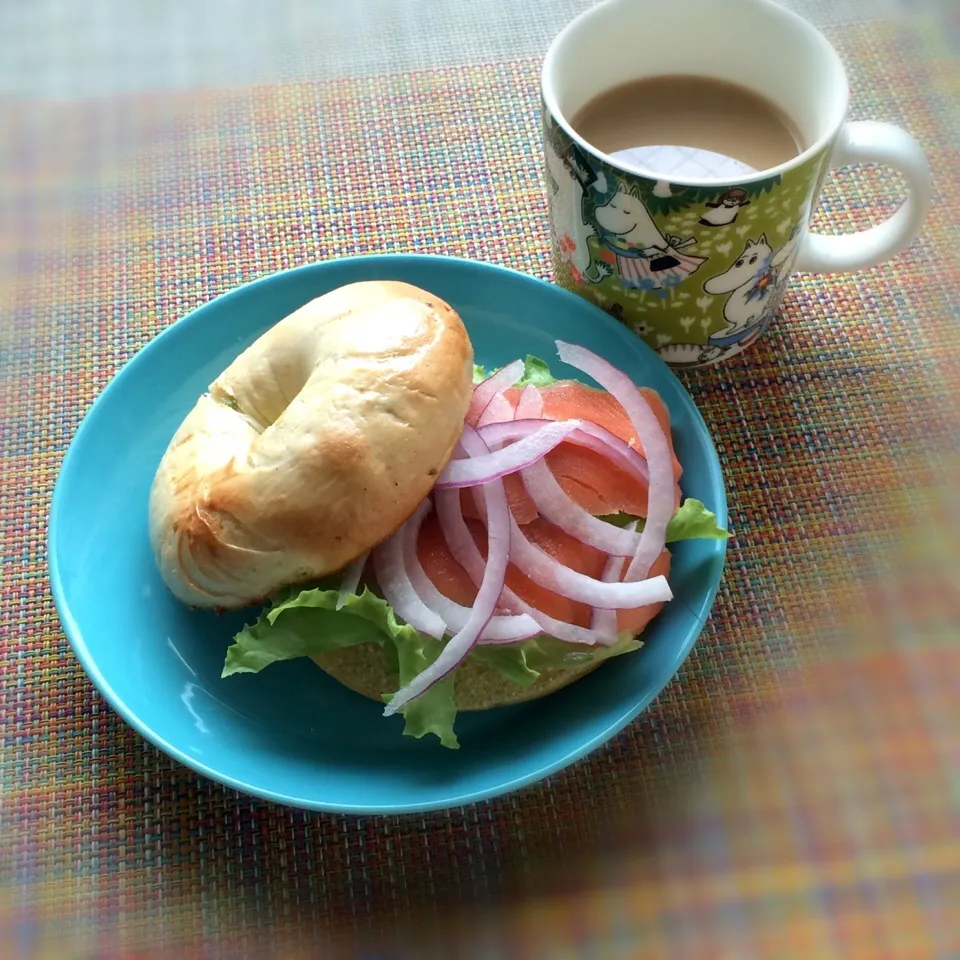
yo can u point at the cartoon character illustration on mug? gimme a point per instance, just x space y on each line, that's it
752 286
646 258
567 176
723 211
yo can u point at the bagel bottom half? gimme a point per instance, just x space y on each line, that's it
365 670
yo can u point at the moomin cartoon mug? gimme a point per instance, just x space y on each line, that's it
697 267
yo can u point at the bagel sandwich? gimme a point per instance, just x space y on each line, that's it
433 538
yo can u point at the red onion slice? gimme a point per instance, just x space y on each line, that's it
390 566
602 620
530 404
465 551
350 579
472 471
502 628
660 499
589 434
553 504
550 573
497 410
494 384
491 586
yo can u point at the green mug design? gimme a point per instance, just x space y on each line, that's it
698 267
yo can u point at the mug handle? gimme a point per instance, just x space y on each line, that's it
868 141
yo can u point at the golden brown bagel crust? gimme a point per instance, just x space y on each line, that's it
364 669
314 445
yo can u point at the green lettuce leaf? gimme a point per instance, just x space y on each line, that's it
535 371
693 521
307 623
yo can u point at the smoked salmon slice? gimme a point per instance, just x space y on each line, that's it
590 479
453 581
587 477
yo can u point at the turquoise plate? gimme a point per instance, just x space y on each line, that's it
291 734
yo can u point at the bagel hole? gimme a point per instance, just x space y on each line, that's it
267 409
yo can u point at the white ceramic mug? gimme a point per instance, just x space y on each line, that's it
687 289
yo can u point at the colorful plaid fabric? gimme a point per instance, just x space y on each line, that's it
795 793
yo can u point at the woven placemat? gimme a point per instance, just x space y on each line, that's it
792 794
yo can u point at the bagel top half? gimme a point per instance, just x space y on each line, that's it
314 445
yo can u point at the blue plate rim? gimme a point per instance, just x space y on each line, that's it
75 635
